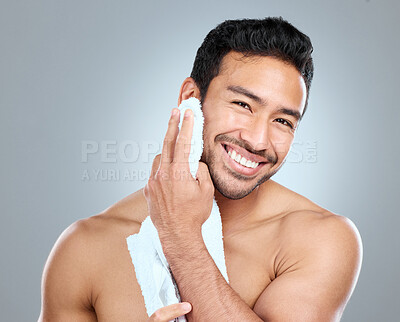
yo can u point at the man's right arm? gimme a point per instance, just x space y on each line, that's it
67 282
69 276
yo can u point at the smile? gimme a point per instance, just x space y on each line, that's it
241 160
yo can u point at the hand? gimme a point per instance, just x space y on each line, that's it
170 312
177 202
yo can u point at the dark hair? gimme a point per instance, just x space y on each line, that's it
273 37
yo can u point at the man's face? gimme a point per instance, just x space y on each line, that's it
251 113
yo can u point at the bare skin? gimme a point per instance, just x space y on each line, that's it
288 259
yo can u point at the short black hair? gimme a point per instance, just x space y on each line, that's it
272 36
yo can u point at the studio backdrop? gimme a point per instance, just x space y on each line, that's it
86 88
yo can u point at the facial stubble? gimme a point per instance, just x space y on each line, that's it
226 184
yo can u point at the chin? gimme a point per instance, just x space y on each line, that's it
233 194
233 181
234 188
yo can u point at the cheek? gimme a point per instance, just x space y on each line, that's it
221 120
281 144
224 120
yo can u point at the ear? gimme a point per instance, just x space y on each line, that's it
188 89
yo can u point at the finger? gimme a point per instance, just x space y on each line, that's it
203 176
146 191
167 153
170 312
182 147
155 166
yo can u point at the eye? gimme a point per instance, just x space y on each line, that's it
242 104
284 122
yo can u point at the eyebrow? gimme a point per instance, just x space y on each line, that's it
288 111
246 92
259 100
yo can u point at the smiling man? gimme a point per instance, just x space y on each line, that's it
287 258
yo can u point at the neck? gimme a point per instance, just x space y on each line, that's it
236 214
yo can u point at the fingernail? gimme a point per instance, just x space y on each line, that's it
174 111
188 113
187 306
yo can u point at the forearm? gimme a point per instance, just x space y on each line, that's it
201 283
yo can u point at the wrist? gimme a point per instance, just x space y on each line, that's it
181 243
179 236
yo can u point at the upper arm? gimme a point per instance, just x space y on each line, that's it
66 284
317 284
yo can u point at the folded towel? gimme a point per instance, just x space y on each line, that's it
152 270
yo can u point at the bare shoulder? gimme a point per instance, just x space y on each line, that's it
311 235
84 239
121 219
313 230
318 261
132 208
68 275
83 250
307 224
308 221
304 220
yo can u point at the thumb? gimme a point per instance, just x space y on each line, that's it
155 165
203 176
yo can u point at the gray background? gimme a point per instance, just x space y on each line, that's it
103 71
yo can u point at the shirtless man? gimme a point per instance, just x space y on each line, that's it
287 258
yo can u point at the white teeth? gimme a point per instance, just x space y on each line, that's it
242 160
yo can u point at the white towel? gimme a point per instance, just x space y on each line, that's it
151 267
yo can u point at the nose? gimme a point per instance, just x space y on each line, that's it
256 134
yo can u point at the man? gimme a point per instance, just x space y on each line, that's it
287 258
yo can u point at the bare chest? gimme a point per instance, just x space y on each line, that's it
250 264
249 260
